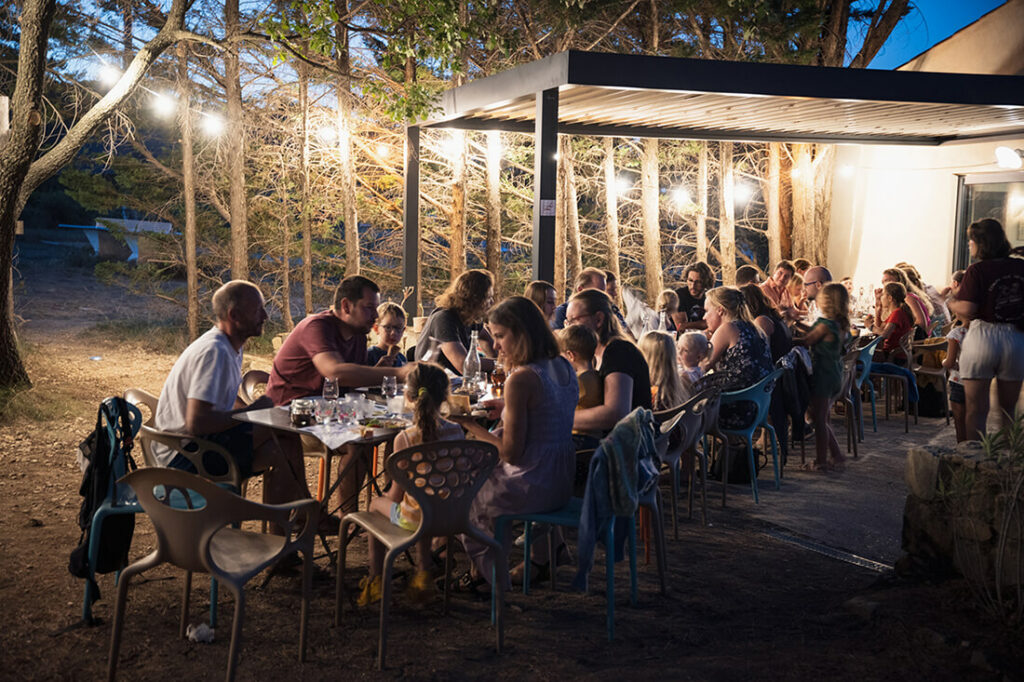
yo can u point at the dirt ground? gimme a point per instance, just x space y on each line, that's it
741 603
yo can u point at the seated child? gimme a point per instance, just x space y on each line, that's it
668 303
578 344
659 349
693 347
390 327
426 389
957 398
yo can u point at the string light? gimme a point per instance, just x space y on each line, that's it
109 74
680 196
163 105
212 124
742 193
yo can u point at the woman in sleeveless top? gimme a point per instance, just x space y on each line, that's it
537 456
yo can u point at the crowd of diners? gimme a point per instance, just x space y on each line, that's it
574 370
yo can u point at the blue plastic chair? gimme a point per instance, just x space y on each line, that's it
863 371
569 517
120 498
760 394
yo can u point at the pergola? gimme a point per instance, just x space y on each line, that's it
621 95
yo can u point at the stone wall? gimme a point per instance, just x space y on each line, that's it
953 521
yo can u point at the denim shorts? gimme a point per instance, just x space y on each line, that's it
992 351
237 441
956 392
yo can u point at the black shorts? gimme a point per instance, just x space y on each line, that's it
237 441
956 392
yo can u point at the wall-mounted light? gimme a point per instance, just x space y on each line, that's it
1009 158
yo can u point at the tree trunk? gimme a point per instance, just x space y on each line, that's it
727 214
771 194
785 202
188 180
22 141
611 206
702 202
492 255
649 202
802 178
457 219
823 164
306 224
561 283
345 144
235 157
5 109
19 174
286 274
573 247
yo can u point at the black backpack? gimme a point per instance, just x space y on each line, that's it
99 484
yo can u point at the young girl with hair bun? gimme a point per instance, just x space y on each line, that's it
426 389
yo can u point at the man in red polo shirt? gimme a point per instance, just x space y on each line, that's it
331 343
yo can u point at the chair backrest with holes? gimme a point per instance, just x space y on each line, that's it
444 478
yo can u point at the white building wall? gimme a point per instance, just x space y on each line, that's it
898 203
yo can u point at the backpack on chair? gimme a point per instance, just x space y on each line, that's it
98 456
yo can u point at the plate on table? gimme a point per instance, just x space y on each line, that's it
385 422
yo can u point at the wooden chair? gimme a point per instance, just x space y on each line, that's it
917 351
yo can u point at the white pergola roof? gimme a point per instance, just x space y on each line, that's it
641 96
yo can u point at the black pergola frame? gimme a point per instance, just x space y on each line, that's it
528 98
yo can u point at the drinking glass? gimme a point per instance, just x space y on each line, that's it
389 387
330 389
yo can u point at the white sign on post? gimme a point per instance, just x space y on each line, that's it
547 207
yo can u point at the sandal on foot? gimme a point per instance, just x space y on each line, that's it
369 591
420 589
467 584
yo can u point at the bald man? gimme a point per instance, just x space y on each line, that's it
815 279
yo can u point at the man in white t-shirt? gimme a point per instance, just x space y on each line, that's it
201 394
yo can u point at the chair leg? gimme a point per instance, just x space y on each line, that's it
609 560
94 549
632 562
115 634
449 544
775 454
339 585
552 559
725 468
186 592
704 486
673 472
385 603
753 469
213 602
236 631
307 589
658 533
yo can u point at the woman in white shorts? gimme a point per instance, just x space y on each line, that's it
992 296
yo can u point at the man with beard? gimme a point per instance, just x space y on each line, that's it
332 344
697 279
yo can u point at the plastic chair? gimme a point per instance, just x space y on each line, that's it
444 478
917 351
845 395
680 429
212 461
119 499
201 540
569 517
254 385
897 379
863 371
760 394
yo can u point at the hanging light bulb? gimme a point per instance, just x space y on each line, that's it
213 125
109 74
1009 158
742 193
163 105
680 196
327 134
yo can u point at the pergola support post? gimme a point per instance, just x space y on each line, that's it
411 219
545 175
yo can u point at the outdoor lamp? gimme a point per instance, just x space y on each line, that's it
1009 158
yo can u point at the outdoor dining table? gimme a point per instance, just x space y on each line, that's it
360 443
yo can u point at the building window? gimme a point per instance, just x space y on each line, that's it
989 195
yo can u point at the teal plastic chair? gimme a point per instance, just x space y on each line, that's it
863 371
119 500
569 517
760 394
